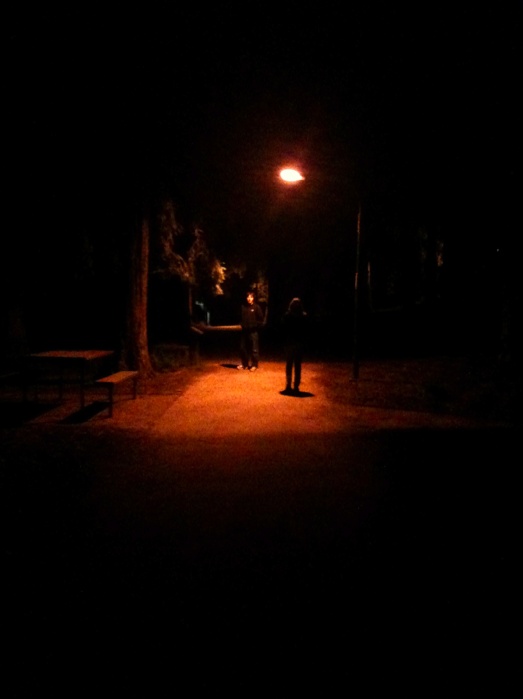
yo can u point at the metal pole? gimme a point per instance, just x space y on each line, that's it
355 338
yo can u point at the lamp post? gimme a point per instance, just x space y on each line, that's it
355 336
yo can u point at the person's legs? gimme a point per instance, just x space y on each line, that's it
254 348
297 375
298 355
244 350
288 368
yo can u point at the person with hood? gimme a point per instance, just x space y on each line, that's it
295 321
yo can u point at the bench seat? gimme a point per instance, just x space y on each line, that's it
117 378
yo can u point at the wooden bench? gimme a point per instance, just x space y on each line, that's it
113 379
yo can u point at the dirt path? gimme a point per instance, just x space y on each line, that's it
214 398
215 532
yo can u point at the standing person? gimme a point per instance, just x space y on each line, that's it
294 333
251 321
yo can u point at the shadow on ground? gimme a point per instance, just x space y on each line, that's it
15 412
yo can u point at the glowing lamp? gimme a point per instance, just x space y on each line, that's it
291 175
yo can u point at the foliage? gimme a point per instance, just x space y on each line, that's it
184 253
207 272
171 243
407 267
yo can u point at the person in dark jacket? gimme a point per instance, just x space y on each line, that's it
251 321
294 322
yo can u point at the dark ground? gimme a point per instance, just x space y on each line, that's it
215 535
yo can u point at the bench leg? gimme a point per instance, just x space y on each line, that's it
82 386
110 391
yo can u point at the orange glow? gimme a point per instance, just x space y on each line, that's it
290 175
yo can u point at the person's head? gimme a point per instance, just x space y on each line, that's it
250 298
296 305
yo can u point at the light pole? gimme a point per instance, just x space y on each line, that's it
355 337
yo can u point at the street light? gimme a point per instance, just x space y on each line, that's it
290 175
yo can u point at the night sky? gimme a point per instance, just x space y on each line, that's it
412 110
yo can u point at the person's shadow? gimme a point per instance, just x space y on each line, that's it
296 394
292 393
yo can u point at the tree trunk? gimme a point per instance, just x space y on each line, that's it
135 351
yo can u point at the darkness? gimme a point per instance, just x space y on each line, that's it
412 112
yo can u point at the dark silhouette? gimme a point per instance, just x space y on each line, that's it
252 320
294 333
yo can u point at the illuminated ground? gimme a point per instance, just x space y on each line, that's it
215 533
